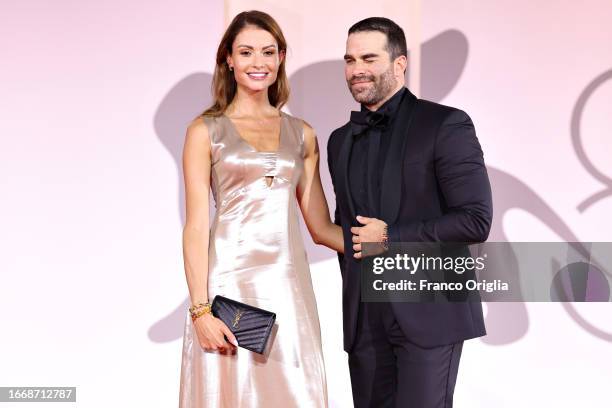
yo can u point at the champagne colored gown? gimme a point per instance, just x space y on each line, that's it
256 256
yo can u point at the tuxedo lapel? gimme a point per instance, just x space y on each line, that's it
392 171
342 171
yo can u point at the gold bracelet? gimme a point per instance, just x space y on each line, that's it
199 309
197 306
199 313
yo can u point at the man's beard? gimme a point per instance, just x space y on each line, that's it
382 87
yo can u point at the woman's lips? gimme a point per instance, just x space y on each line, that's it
258 76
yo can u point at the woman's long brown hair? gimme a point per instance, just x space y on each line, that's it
224 85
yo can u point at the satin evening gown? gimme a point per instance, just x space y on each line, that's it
256 256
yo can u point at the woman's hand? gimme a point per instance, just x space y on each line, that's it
210 331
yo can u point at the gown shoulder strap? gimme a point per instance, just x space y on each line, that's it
295 131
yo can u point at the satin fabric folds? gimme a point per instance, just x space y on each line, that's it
256 256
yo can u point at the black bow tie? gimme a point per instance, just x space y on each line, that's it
362 121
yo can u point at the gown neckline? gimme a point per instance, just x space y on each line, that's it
244 141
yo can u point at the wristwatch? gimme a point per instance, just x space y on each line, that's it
385 238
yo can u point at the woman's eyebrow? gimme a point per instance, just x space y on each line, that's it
251 47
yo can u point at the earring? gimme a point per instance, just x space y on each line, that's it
231 68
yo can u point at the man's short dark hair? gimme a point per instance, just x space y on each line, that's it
396 40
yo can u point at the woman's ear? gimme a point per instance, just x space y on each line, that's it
281 56
229 61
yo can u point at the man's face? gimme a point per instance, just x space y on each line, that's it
369 70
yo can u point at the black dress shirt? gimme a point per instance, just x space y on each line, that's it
358 159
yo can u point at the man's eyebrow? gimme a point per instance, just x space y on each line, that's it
370 55
364 56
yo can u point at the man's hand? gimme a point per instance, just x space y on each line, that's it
374 230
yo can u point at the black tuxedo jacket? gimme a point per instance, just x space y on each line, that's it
435 188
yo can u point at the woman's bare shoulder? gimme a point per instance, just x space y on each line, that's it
199 127
198 133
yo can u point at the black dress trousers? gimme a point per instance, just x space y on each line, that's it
387 370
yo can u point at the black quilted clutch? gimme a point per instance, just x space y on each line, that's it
250 325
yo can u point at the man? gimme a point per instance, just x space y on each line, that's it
406 170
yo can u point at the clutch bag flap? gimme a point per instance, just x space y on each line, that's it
250 325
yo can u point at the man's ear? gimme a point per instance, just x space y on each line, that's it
400 64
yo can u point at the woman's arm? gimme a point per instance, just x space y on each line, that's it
312 198
196 171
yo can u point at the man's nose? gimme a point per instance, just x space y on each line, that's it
361 66
358 69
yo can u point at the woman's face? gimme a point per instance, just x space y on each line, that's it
255 59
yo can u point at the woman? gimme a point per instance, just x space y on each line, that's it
260 164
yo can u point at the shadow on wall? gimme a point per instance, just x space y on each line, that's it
319 94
